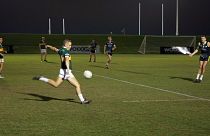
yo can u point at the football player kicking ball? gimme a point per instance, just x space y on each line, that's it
204 57
65 72
109 47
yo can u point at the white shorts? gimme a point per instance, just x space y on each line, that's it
43 50
1 60
64 75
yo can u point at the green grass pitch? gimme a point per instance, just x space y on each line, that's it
141 95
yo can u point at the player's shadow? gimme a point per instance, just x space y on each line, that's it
46 98
183 78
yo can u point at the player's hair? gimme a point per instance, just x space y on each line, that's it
66 41
203 35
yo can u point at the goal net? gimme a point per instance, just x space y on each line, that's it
152 44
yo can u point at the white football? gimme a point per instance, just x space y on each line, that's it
87 74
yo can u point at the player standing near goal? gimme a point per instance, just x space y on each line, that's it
1 57
204 47
43 49
109 47
93 46
65 72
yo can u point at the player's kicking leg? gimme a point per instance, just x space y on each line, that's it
55 83
59 80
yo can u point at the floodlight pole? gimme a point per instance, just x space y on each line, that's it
162 20
64 27
177 17
49 23
139 18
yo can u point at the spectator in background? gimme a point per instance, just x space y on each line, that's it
43 49
93 46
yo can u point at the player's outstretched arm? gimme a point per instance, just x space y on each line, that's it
192 54
52 48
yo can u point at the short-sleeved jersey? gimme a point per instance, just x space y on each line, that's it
204 48
109 47
63 52
42 45
93 46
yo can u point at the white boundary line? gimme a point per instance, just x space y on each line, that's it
155 88
177 100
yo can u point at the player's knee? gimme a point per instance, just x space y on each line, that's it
56 85
77 86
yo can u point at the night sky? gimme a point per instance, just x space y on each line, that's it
104 16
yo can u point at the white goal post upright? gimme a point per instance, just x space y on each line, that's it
177 17
64 32
162 20
49 26
139 18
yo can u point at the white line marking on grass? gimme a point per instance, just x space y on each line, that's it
155 88
147 86
178 100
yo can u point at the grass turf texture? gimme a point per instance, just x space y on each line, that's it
34 108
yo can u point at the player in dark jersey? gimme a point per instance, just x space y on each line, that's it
204 47
43 49
65 71
2 51
93 46
109 47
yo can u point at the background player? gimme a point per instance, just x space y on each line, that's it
203 46
65 72
43 49
1 57
109 47
93 46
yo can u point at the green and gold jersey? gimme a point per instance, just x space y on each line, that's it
63 52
